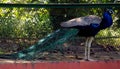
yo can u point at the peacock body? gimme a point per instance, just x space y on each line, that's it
89 26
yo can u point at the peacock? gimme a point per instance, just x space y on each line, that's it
87 26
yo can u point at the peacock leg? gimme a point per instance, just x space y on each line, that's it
89 46
86 48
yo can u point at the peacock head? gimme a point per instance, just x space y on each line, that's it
110 11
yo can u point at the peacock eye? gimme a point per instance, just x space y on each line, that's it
111 11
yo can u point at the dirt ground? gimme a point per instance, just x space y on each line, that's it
77 53
70 51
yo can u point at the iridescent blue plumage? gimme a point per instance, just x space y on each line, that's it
106 21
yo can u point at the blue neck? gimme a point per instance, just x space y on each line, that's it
106 21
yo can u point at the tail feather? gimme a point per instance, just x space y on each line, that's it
48 43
